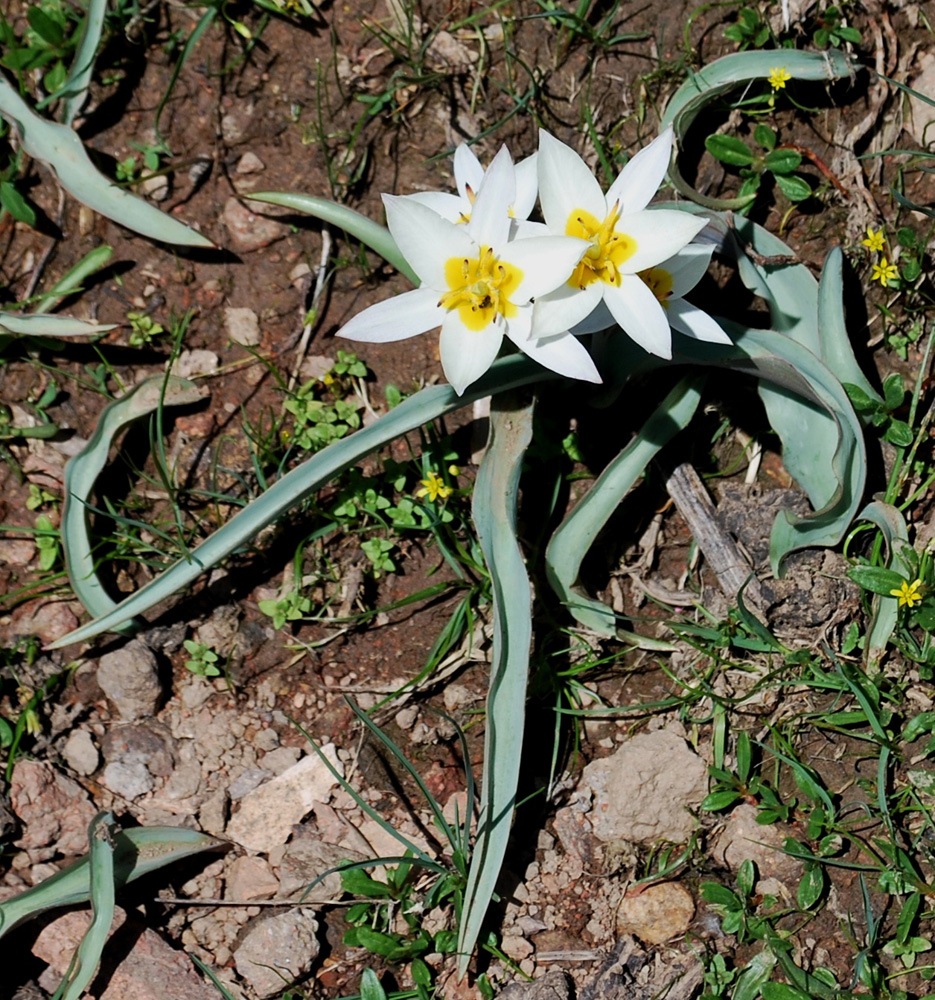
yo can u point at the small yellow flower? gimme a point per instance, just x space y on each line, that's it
454 470
874 240
909 593
778 77
433 487
884 272
327 378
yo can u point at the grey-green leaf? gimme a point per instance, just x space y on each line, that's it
47 325
494 513
60 148
82 471
137 852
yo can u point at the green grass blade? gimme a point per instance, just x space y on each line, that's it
885 615
137 852
82 68
370 233
295 486
729 73
60 148
494 512
103 899
81 473
45 325
574 537
72 280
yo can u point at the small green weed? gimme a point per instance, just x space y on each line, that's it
749 31
832 32
143 329
203 660
778 162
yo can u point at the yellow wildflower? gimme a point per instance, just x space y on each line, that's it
433 487
778 76
884 272
909 593
874 240
454 470
327 379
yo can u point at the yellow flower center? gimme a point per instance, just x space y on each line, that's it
659 282
608 251
481 288
433 486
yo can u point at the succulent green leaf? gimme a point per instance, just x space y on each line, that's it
60 148
574 537
494 512
82 68
91 262
46 325
81 473
14 203
295 486
370 233
765 136
137 852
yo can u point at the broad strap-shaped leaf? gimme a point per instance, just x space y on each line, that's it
49 325
734 71
573 539
137 852
72 280
892 525
295 486
60 148
82 471
82 67
103 900
494 514
370 233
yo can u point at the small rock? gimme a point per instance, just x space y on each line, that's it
267 814
643 792
80 752
299 273
516 947
316 366
249 879
458 696
242 325
212 816
281 759
249 163
246 781
657 914
54 810
190 364
155 187
553 985
406 717
304 860
46 619
249 231
276 950
921 118
17 551
147 967
266 740
128 779
742 839
129 677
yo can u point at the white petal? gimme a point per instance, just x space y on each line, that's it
546 263
599 319
490 215
396 319
695 322
564 308
468 171
658 235
688 267
425 239
523 230
467 354
640 178
563 354
527 187
565 184
638 311
448 206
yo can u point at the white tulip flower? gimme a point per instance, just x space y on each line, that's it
624 238
477 284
